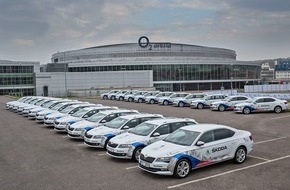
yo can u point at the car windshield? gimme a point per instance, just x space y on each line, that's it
116 123
47 104
40 102
67 109
80 113
96 117
57 106
182 137
143 129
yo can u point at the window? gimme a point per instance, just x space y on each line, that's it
222 134
132 123
162 130
175 126
269 100
207 137
242 98
146 119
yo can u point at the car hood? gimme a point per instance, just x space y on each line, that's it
244 104
197 100
68 118
128 138
47 111
83 124
37 109
220 102
102 130
57 114
164 149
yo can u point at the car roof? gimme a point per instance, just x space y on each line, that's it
168 120
117 111
264 97
205 127
238 96
139 115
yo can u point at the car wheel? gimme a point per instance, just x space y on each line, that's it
105 145
130 99
136 153
246 110
278 109
240 155
121 98
105 97
151 102
140 100
182 168
222 108
165 103
200 106
180 104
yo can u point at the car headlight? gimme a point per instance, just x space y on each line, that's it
98 136
124 145
164 159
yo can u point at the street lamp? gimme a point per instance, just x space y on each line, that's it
231 75
65 70
123 69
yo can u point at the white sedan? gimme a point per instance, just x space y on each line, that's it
195 146
262 104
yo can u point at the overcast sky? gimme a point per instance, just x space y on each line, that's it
32 30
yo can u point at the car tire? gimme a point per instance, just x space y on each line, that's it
246 110
105 97
151 101
121 98
140 100
278 109
130 99
136 153
200 106
182 168
240 155
180 104
221 108
105 145
165 103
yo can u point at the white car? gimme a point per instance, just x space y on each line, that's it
112 96
71 109
13 106
32 113
169 100
77 129
186 101
130 97
100 136
39 104
130 144
141 98
154 99
106 94
121 96
31 103
262 104
10 104
62 124
229 103
206 101
195 146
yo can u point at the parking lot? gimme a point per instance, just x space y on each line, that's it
35 157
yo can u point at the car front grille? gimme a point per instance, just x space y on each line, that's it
147 159
117 154
150 169
92 144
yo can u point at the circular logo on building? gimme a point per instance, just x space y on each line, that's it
143 41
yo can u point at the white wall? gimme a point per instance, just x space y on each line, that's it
87 80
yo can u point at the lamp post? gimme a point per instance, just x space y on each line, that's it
65 70
231 75
123 69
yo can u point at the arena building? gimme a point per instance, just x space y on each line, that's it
164 65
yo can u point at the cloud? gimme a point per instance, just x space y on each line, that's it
23 42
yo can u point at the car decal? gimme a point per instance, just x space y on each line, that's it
87 128
227 107
109 135
57 117
137 144
71 122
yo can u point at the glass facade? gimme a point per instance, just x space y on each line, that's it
17 80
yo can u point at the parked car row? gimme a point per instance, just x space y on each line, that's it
160 145
215 102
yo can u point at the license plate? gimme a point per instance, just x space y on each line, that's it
144 164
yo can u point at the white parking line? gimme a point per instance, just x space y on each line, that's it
228 172
257 157
129 168
260 142
103 154
280 117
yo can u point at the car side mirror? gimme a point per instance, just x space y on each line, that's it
126 127
85 116
156 134
199 143
254 102
103 121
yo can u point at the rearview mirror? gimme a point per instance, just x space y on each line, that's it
156 134
126 127
85 116
103 121
199 143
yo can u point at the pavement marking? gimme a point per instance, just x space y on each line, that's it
103 154
280 117
228 172
257 157
260 142
129 168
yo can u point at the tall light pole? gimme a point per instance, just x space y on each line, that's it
231 75
179 78
123 69
65 70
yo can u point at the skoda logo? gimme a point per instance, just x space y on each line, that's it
143 41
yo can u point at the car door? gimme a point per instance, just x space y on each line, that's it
265 104
218 145
163 130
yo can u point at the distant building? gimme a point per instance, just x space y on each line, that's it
267 72
282 69
18 77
